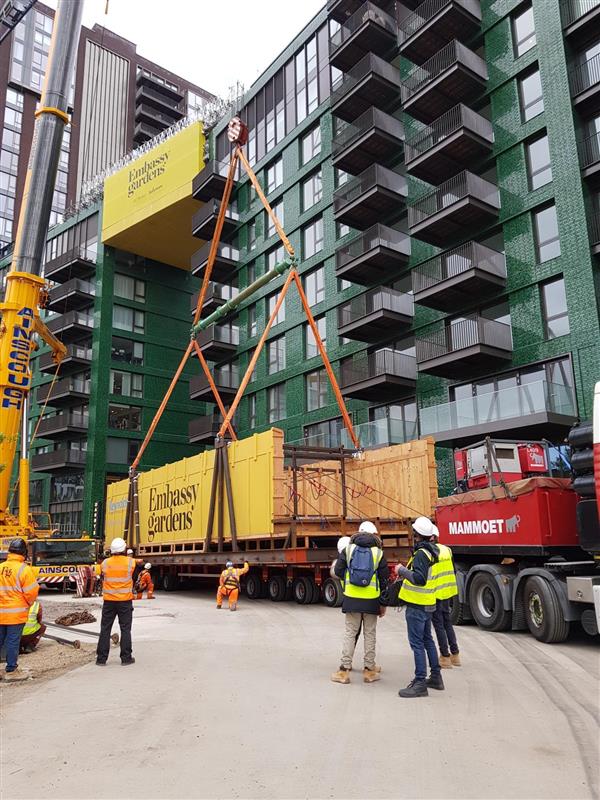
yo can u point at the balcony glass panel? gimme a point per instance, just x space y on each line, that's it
381 432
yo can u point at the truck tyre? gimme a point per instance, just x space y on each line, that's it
277 586
170 582
457 611
316 591
486 603
332 593
302 591
253 587
543 611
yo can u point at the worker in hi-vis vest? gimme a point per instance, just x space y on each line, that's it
18 591
117 592
363 571
418 593
229 584
446 589
33 630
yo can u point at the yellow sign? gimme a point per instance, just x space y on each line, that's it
148 205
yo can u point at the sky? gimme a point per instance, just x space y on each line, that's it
211 44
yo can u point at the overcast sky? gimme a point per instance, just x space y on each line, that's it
212 44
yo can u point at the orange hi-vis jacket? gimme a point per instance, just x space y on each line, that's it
230 577
145 579
117 578
18 590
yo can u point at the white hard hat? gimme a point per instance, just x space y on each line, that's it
436 531
148 566
343 543
118 545
367 527
425 527
130 552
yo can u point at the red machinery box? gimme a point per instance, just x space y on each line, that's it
539 512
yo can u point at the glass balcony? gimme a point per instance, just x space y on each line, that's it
370 82
227 381
219 342
78 356
64 425
58 460
210 182
531 410
144 78
74 294
203 430
204 220
372 315
381 433
368 30
68 391
374 138
434 24
216 295
80 262
225 264
372 256
72 326
383 375
160 99
377 193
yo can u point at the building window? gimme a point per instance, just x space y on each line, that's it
324 434
126 351
126 383
530 95
124 418
523 31
129 288
311 145
274 175
312 190
316 390
275 256
250 273
276 355
272 301
547 243
312 238
270 225
554 304
539 170
276 402
343 284
251 228
314 286
340 177
310 343
397 422
252 320
121 451
127 319
341 230
252 411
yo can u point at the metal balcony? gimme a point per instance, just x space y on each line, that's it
454 75
227 381
368 30
464 347
78 356
58 460
530 411
76 263
459 138
373 256
152 116
342 10
160 100
581 19
216 295
68 391
374 138
143 132
219 342
210 182
174 95
462 204
469 272
595 233
225 264
585 86
589 157
203 430
65 425
435 23
383 375
377 193
74 294
370 82
204 220
72 326
375 314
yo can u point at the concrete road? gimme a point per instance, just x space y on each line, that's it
241 706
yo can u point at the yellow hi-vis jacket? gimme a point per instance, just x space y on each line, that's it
373 590
443 574
419 595
32 625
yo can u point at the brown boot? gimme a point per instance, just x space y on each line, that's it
18 674
455 659
341 676
446 662
233 607
371 675
376 668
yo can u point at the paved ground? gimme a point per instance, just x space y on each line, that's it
241 706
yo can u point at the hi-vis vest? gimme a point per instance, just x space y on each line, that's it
32 625
117 575
370 592
443 574
419 595
18 590
231 579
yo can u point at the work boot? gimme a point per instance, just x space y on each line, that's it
233 607
100 663
435 681
218 606
17 674
128 662
371 675
341 676
416 688
376 668
446 662
455 659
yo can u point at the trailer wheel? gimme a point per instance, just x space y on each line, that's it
332 593
316 591
457 611
543 613
277 587
253 587
302 591
486 603
170 582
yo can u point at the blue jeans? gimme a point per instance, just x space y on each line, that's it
444 632
10 635
418 623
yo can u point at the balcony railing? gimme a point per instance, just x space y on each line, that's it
71 318
463 334
367 12
225 251
457 261
349 132
224 378
465 184
217 293
381 362
380 433
381 299
585 75
149 92
78 352
458 117
367 64
74 285
419 77
68 419
589 150
426 11
219 333
515 402
572 10
595 228
81 254
375 236
56 458
373 176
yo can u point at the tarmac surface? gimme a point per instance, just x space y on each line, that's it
240 705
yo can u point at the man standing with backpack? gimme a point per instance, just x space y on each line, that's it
363 570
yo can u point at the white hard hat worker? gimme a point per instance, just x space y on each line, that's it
425 528
368 527
229 564
118 546
130 552
342 544
148 565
